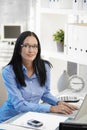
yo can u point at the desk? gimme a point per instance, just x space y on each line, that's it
6 126
51 120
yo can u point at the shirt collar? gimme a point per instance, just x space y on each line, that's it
25 71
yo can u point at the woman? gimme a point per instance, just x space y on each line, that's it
27 80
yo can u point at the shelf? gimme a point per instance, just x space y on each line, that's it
63 11
61 56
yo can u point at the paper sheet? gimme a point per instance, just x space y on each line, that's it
50 121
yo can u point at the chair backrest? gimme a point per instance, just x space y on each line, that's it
3 92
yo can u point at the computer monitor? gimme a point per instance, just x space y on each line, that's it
10 32
72 126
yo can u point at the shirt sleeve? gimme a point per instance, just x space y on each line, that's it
47 96
15 97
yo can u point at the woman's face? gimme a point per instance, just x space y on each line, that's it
29 49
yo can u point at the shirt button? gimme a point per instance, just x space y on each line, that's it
31 82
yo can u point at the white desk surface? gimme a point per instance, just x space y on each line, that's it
49 121
5 126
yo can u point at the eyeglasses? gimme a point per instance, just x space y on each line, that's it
34 47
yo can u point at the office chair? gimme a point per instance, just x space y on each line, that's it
72 126
3 93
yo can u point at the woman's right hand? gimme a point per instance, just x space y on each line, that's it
63 108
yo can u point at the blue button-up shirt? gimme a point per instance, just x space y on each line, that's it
24 99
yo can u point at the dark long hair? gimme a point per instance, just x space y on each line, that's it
38 63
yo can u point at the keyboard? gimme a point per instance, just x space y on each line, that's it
68 98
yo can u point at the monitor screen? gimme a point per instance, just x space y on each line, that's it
11 32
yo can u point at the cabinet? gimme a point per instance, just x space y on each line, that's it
50 18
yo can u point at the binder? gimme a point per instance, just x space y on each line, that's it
75 4
78 4
84 4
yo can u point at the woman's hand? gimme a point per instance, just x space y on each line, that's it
63 108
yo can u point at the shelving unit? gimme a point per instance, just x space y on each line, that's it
6 51
65 57
50 20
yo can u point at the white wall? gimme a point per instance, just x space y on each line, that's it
50 23
58 67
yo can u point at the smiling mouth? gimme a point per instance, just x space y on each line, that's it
30 55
